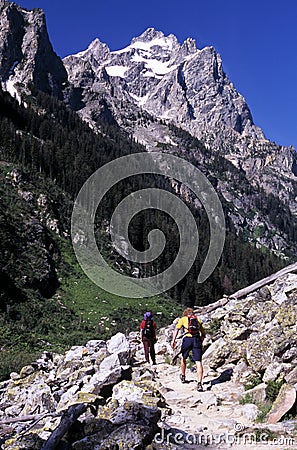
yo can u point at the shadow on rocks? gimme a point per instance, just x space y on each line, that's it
222 378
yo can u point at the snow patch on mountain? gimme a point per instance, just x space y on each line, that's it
116 71
9 86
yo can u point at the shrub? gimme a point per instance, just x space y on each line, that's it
13 361
214 326
248 398
264 409
253 382
272 389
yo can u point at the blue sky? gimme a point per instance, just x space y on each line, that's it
256 40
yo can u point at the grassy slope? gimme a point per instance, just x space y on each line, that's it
99 310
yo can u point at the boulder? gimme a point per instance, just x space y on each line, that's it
31 393
283 403
118 343
272 371
27 370
234 330
139 392
76 353
290 354
262 347
130 436
241 372
291 377
94 346
130 412
250 411
258 393
110 363
31 441
223 351
215 355
101 379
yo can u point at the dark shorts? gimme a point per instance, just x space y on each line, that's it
194 344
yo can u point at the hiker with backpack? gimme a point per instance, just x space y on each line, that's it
148 336
192 341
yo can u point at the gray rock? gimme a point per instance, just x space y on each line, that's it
291 377
272 371
127 391
101 379
110 363
26 54
118 344
250 411
283 403
15 376
95 345
290 354
258 393
261 347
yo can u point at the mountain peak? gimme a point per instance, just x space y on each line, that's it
154 37
98 49
148 35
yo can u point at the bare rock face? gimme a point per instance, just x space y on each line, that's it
26 54
284 402
156 83
269 338
159 78
168 80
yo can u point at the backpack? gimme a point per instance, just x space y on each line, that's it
148 330
193 326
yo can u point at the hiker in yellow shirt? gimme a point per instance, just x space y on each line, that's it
192 341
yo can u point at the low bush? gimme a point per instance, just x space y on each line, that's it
13 360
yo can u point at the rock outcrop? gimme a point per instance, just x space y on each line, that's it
26 54
103 395
31 219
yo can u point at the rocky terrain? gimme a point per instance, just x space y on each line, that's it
102 395
31 224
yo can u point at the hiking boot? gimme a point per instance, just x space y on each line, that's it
199 387
182 378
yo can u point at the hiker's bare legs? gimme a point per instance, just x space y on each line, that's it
199 370
183 365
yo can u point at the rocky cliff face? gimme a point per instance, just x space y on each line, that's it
155 77
105 396
29 253
26 54
169 81
156 82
